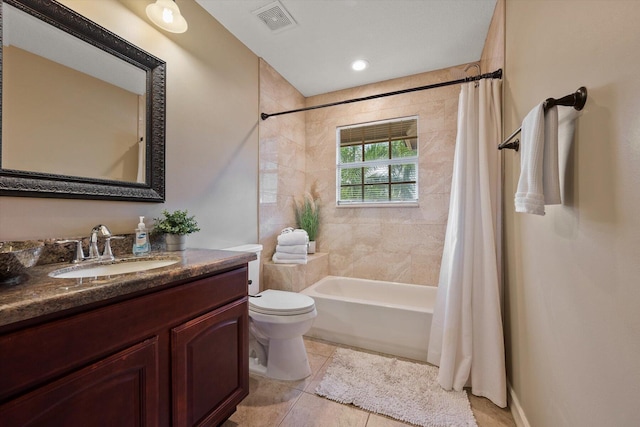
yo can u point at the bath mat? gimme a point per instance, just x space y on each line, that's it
402 390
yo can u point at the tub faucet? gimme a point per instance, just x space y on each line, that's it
93 240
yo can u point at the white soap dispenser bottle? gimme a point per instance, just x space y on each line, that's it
141 243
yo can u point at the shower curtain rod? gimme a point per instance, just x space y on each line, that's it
494 75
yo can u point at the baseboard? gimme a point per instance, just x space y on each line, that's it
516 410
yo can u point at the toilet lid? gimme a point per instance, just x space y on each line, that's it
281 303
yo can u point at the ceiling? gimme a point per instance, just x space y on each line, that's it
397 37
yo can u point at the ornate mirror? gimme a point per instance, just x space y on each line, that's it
83 110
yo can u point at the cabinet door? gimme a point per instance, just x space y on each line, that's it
120 390
210 365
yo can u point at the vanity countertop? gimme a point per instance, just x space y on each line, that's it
42 295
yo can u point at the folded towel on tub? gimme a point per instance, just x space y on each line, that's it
277 260
284 255
292 249
296 237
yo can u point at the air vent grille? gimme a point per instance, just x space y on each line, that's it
275 16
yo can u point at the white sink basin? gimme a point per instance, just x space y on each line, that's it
118 267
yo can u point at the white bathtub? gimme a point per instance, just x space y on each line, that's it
392 318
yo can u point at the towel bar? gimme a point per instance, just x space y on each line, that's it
575 100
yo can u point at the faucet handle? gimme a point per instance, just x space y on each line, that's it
79 252
107 254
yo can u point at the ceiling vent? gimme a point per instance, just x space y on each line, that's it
275 16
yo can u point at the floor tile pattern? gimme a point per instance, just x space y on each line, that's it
273 403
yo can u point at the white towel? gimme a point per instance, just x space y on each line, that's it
283 255
539 181
550 171
292 249
277 260
296 237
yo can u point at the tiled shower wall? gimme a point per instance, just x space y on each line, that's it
282 157
298 151
400 244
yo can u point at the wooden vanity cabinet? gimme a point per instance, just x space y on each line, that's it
173 357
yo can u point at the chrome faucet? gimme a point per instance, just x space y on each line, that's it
93 241
94 254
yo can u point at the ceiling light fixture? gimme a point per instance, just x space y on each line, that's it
166 15
359 65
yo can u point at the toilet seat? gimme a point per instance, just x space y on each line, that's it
281 303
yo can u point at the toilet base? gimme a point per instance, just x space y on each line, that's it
256 368
287 360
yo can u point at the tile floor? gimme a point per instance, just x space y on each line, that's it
273 403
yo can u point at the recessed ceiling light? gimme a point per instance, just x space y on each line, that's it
359 65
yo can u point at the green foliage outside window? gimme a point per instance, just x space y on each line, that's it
379 182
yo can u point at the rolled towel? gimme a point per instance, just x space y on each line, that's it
284 255
296 237
277 260
292 249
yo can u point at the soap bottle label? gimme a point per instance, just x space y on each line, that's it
141 245
141 239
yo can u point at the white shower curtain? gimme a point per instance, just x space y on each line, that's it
466 332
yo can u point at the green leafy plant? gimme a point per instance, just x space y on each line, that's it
308 215
176 222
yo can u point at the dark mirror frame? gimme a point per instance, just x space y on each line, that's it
32 184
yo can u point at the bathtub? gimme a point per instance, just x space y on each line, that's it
387 317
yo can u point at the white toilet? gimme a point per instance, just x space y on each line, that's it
277 321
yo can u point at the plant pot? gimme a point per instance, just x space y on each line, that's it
311 248
175 242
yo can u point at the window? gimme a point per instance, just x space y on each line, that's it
378 163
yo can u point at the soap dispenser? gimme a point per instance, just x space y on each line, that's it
141 243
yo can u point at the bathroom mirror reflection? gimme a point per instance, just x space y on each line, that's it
82 109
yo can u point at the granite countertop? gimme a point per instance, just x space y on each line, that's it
43 295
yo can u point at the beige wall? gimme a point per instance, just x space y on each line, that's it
492 57
572 276
282 156
298 152
211 130
400 244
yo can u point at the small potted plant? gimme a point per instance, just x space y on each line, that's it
308 219
175 226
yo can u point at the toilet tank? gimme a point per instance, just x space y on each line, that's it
254 266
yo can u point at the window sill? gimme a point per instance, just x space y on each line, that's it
380 205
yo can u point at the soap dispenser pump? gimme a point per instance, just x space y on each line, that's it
141 243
